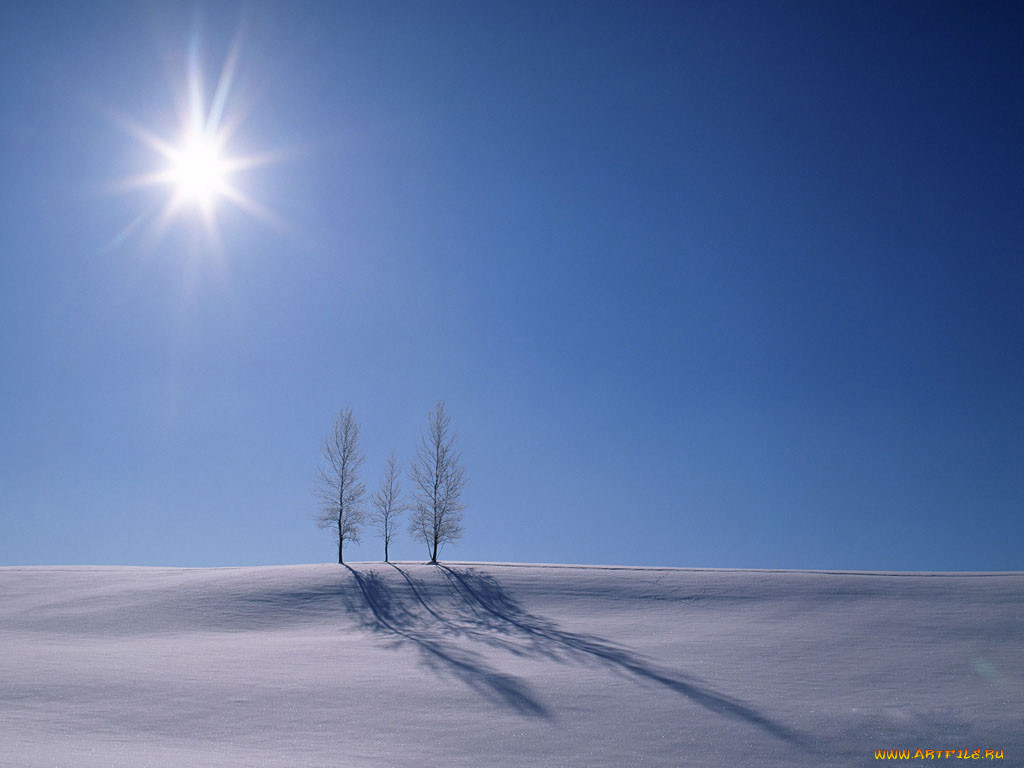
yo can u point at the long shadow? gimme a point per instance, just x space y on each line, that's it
394 619
418 593
477 608
504 614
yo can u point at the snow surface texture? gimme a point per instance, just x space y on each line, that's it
490 665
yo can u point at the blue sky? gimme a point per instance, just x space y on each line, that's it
702 284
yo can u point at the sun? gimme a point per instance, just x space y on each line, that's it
199 170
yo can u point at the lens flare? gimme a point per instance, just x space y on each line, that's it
198 169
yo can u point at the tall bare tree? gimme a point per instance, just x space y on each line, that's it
338 487
438 480
387 504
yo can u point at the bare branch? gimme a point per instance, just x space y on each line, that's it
388 505
338 490
439 480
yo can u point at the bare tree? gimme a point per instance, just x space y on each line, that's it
338 487
439 479
387 504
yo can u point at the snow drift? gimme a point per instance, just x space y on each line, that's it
485 664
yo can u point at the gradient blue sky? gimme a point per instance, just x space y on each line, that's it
703 284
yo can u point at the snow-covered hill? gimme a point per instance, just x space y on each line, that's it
491 665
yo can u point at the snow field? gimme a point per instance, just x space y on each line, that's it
495 664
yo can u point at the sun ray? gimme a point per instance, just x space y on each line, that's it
255 209
224 82
198 168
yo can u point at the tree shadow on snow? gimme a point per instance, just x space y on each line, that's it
477 608
390 614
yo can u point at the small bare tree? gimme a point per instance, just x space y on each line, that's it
439 479
387 504
338 487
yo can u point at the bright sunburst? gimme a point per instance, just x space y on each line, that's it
199 171
197 167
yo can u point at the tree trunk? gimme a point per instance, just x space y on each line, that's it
385 550
341 560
